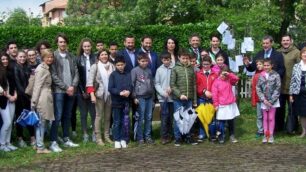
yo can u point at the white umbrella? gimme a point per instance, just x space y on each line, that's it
179 119
189 116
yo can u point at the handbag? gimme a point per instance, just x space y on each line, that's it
28 118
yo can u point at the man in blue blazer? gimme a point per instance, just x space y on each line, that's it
129 53
268 52
146 47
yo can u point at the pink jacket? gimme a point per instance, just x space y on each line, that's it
222 93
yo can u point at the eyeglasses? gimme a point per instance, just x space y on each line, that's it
206 64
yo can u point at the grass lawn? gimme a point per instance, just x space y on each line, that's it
245 133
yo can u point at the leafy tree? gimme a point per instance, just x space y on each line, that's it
19 17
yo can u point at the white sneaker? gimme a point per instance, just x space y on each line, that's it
11 147
55 148
123 144
264 140
22 143
69 143
271 139
117 145
4 148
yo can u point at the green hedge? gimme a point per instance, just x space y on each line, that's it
27 37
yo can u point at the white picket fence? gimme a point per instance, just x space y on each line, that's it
245 91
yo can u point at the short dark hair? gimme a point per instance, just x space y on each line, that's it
216 35
129 36
287 34
62 35
40 43
165 55
146 36
220 55
119 59
141 56
194 35
113 44
268 60
260 60
268 37
98 55
99 41
184 53
9 42
206 59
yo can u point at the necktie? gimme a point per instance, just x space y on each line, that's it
266 54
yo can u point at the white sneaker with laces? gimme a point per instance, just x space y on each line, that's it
123 144
117 145
4 148
271 139
264 140
11 147
233 139
69 143
55 148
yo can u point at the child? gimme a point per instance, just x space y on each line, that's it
255 99
162 86
219 64
143 92
205 77
183 86
193 62
120 87
224 101
268 91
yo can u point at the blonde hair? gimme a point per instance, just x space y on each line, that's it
45 53
302 51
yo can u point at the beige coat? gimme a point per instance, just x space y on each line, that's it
95 80
42 98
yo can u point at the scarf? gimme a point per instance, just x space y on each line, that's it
303 65
105 70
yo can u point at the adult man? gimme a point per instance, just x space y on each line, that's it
146 46
291 56
113 48
99 46
267 52
129 53
215 49
65 78
12 51
195 49
278 65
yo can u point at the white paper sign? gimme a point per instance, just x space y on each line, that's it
231 45
222 27
239 60
233 66
243 48
249 43
227 37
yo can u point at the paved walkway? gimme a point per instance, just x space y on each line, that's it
203 157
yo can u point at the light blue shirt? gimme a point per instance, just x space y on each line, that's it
268 53
132 56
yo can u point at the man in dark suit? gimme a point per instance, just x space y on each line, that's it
278 65
195 49
146 47
268 52
129 53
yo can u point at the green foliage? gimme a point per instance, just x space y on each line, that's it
19 17
28 36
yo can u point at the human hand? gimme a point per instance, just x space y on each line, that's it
183 97
93 98
246 61
70 91
208 94
291 99
136 101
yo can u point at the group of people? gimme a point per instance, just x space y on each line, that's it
109 84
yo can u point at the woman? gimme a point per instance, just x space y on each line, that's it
171 46
297 90
7 103
97 87
22 74
40 46
86 58
42 100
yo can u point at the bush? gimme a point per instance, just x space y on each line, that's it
27 37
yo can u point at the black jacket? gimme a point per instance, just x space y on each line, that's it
277 60
12 88
117 83
128 62
22 75
81 63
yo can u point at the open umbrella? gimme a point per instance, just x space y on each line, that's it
206 114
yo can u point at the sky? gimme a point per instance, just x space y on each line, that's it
27 5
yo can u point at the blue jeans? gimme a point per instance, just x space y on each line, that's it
177 104
117 123
166 114
62 113
145 114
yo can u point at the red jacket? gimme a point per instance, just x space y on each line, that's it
204 82
254 96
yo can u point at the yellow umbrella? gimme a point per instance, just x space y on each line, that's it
206 113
